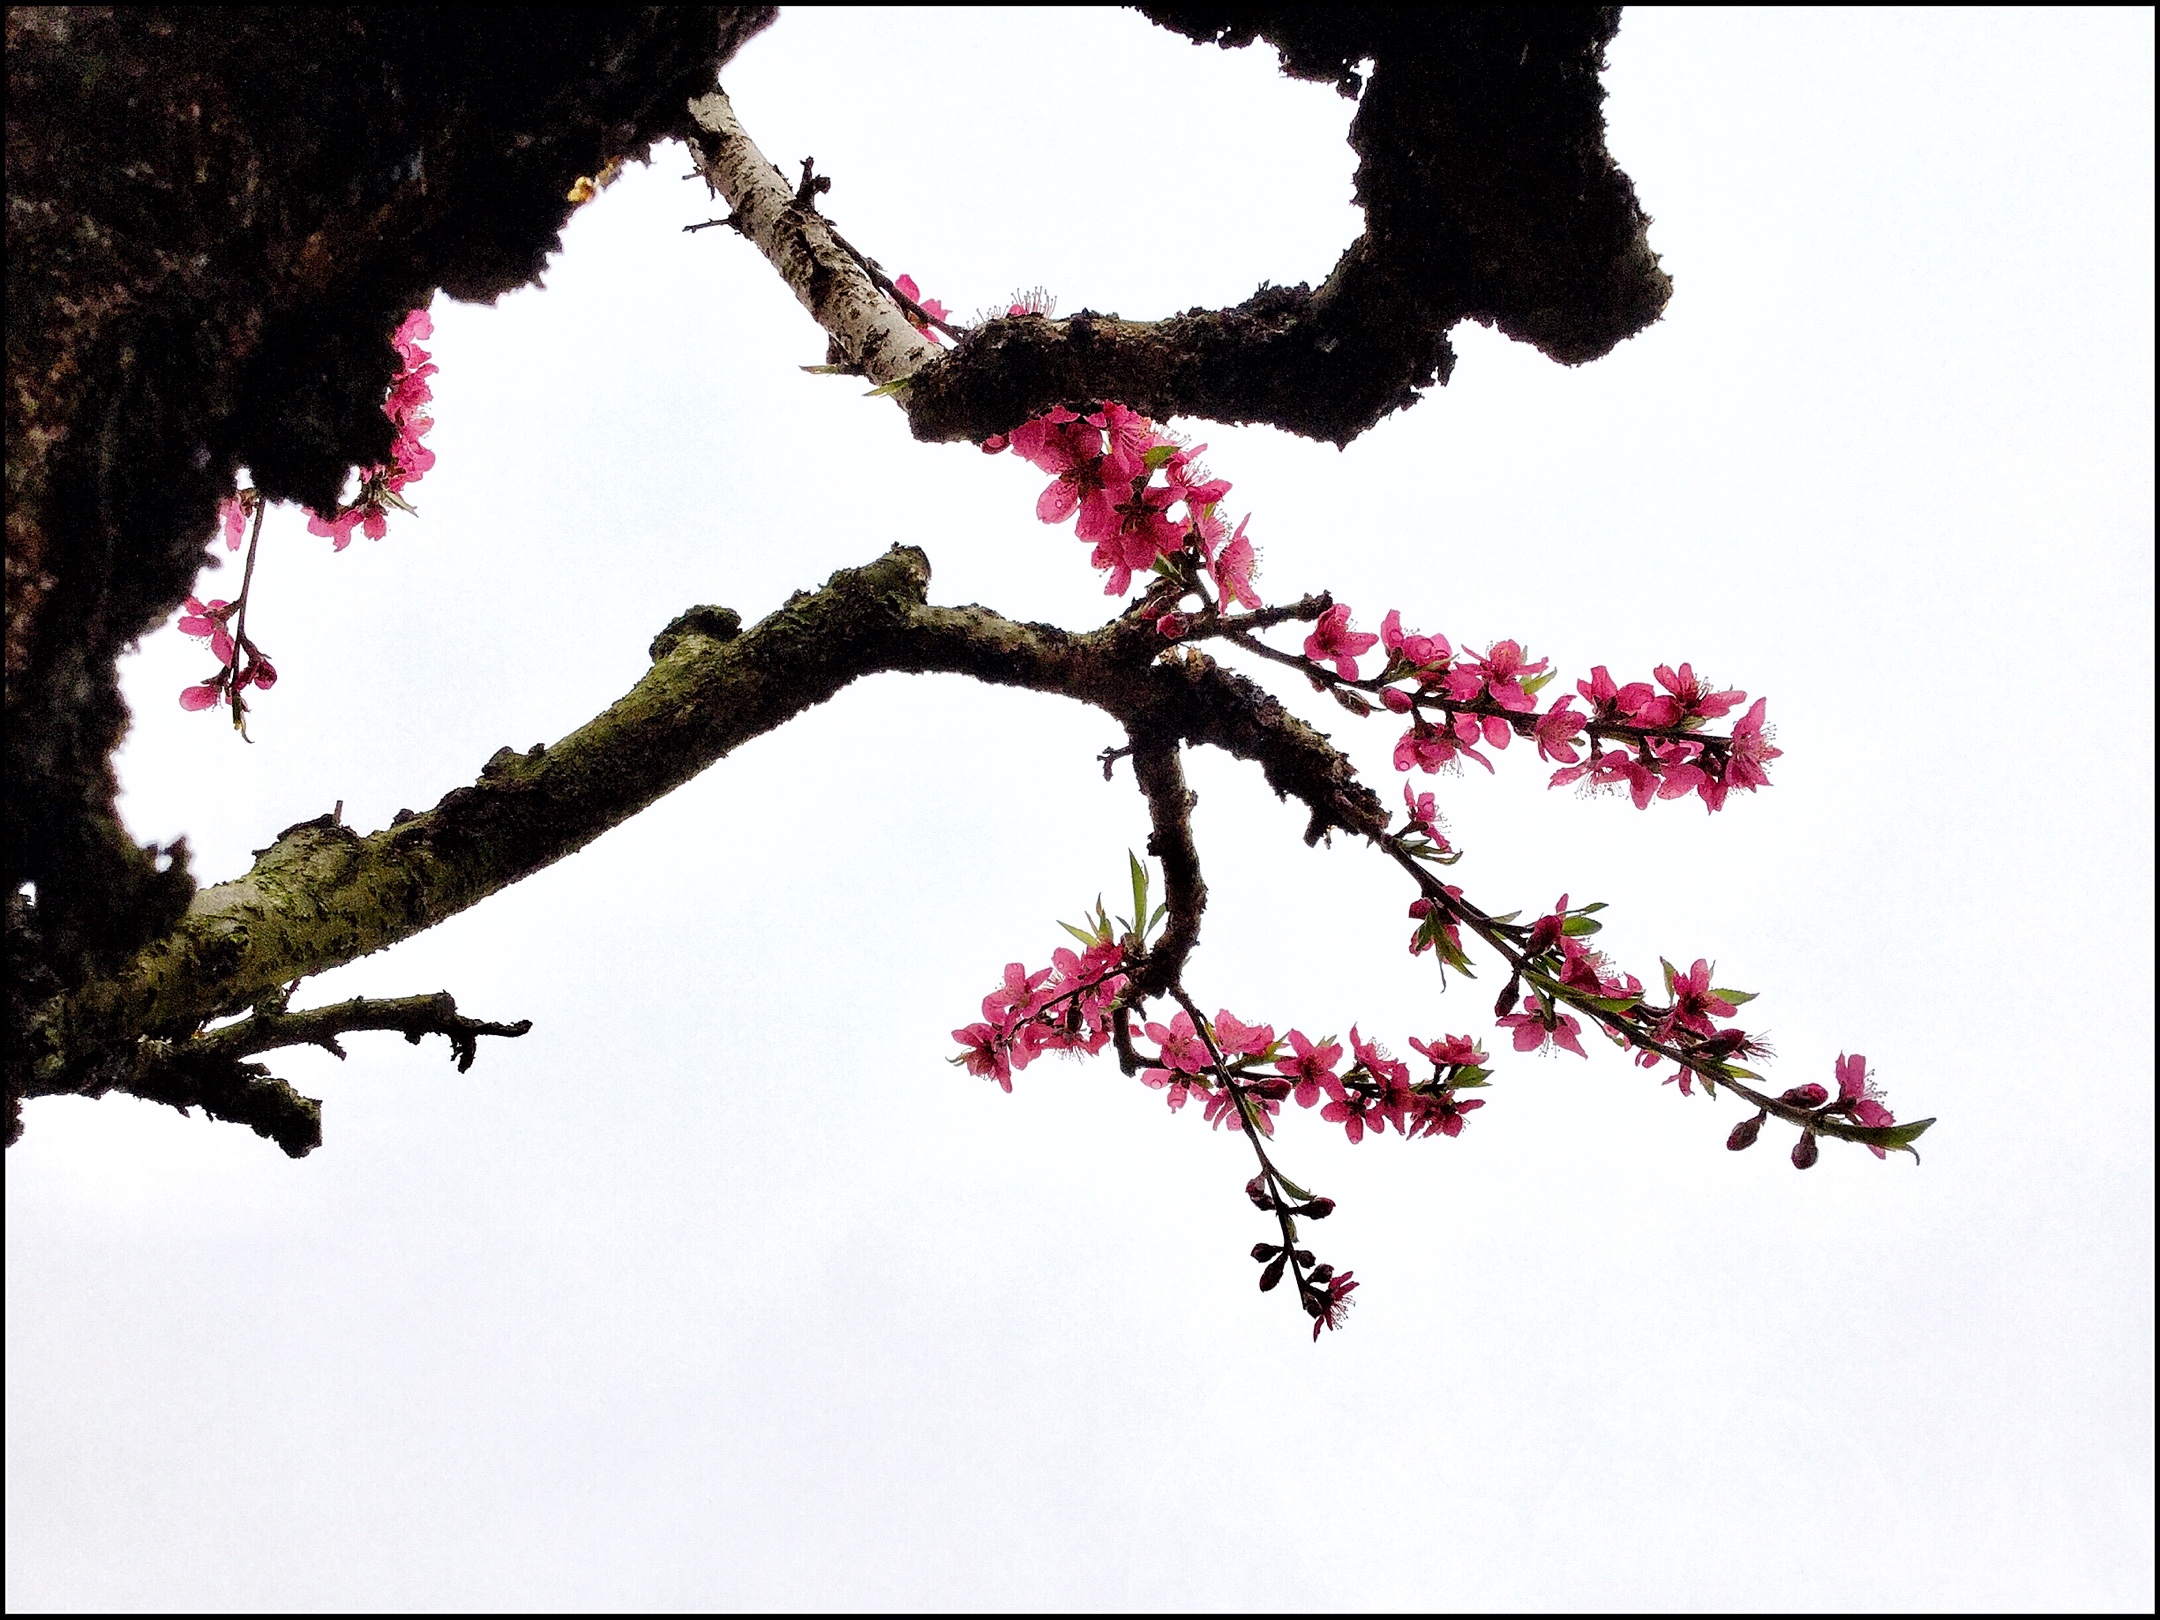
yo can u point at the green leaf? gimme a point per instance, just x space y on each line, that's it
827 371
1670 974
1739 998
1289 1186
1576 927
1538 683
1139 886
1158 917
1472 1078
1085 939
1595 905
1888 1136
1510 917
898 385
1159 456
1745 1074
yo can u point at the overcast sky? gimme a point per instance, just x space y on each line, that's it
722 1288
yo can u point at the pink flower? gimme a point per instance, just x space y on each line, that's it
1531 1033
1857 1090
1312 1067
1333 641
1131 436
1442 1115
206 621
1182 1051
232 513
1610 702
1329 1309
1015 998
1224 1112
1235 1039
1144 530
1420 652
1504 669
1193 486
1084 479
1424 817
1350 1110
1751 751
905 286
1587 970
1694 1002
1431 748
338 530
200 697
985 1054
1457 1050
1233 570
1557 730
1692 697
1545 933
419 324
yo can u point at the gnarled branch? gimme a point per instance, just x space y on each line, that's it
322 894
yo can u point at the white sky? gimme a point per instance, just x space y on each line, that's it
722 1289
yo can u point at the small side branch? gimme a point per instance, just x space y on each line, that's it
412 1016
1170 802
782 222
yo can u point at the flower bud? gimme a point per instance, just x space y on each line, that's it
1266 1251
1805 1151
1397 700
1173 625
1273 1275
1744 1133
1319 1209
1256 1190
1508 997
995 444
1807 1096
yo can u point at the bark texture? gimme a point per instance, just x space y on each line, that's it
1488 194
322 895
216 218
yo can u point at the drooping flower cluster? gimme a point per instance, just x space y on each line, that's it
382 487
1064 1007
1141 497
242 663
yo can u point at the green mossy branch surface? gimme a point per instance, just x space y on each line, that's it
323 895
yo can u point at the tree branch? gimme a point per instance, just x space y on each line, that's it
322 894
1170 802
782 222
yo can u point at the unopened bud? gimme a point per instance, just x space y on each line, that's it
1744 1133
1319 1209
1173 625
1273 1275
1508 997
1320 1274
1256 1190
1805 1151
1266 1251
1807 1096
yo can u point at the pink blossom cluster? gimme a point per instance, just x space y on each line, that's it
1064 1007
1640 739
1226 1064
1141 498
243 663
382 487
